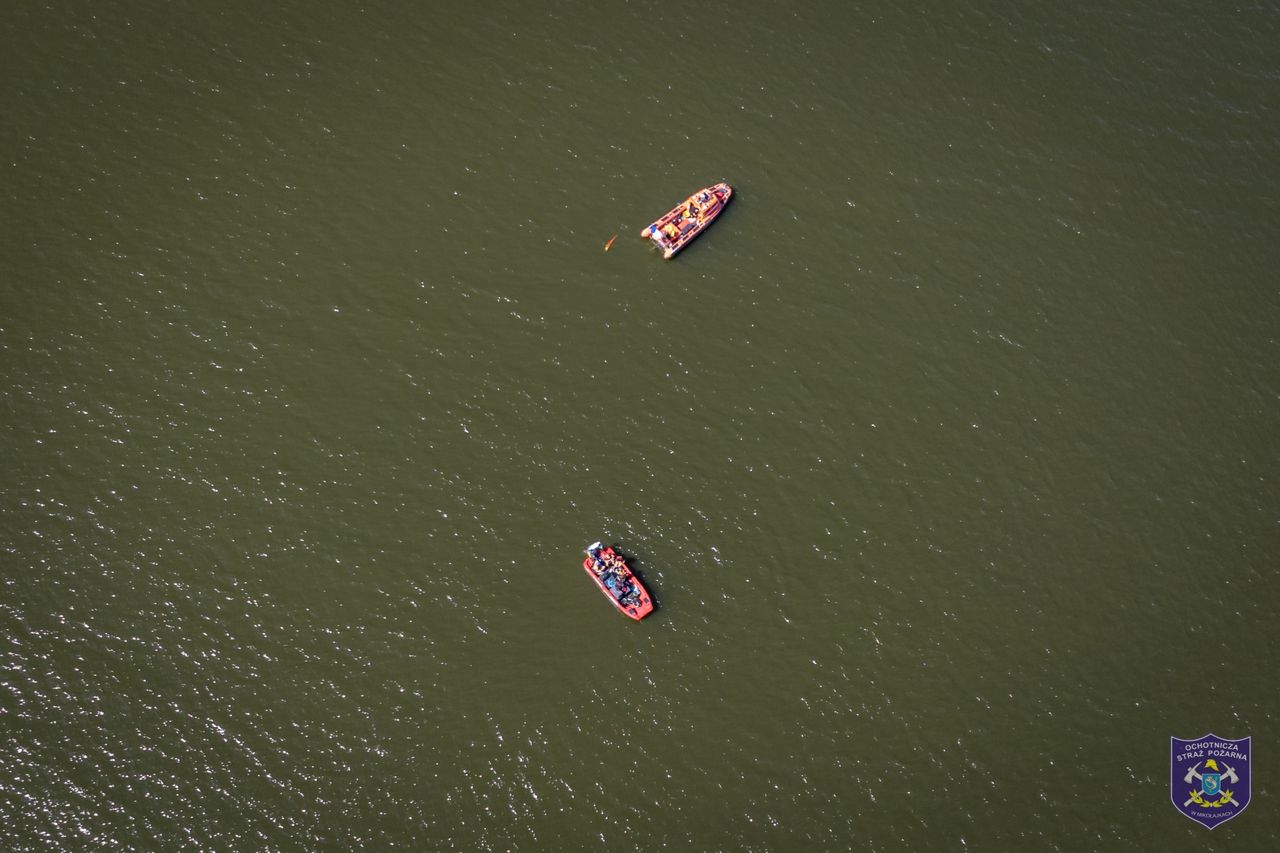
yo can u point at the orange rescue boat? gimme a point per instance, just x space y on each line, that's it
616 581
688 219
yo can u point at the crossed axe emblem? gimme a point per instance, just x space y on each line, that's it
1197 796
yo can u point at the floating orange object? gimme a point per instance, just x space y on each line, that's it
610 243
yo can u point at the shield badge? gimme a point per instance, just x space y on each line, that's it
1209 777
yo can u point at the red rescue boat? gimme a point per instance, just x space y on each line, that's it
616 581
677 228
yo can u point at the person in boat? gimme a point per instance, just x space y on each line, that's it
671 230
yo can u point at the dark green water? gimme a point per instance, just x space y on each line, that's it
950 451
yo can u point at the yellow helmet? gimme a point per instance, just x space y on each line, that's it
1211 765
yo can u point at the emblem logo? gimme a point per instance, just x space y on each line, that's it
1209 782
1209 778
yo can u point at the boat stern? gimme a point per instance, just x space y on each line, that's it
641 610
660 240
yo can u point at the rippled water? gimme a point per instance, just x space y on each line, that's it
949 452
